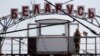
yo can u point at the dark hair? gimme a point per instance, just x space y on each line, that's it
77 33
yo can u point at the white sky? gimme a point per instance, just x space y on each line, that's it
6 5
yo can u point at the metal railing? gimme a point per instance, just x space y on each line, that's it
89 46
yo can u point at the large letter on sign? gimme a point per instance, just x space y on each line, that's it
69 9
14 13
36 9
47 8
91 13
80 11
25 10
58 7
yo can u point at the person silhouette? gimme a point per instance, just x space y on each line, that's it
77 36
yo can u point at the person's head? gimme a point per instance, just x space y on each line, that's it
77 33
77 30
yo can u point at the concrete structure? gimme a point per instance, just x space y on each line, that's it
53 44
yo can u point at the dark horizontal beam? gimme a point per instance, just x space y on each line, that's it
33 28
